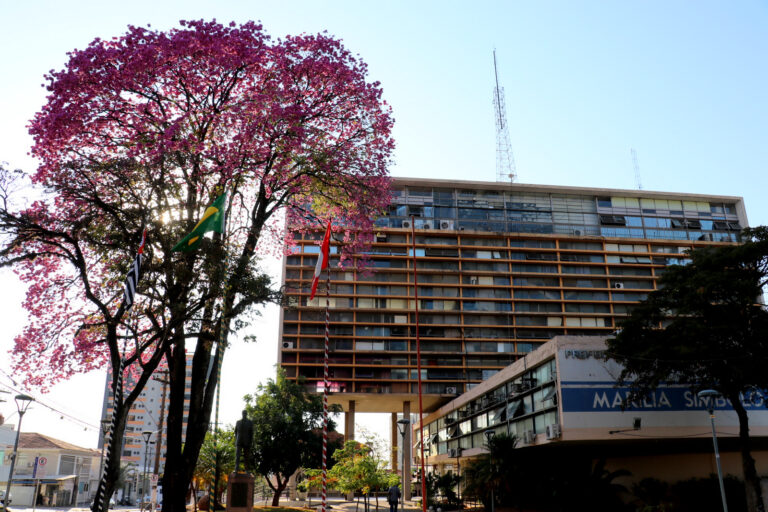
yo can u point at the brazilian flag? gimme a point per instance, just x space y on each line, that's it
213 220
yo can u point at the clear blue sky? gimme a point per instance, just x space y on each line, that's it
684 83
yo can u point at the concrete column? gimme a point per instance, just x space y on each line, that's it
394 435
407 448
349 422
349 433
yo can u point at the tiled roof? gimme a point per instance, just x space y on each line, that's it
33 440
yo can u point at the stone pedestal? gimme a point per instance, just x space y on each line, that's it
240 492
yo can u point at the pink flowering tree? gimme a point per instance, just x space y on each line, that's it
142 132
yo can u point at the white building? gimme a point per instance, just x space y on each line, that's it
57 472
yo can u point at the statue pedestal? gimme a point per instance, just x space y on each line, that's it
240 492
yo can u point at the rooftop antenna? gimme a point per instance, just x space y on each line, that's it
636 166
505 160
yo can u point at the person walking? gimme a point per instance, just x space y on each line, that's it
393 496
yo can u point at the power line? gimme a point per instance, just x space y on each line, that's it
47 405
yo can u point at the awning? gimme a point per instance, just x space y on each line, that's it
45 480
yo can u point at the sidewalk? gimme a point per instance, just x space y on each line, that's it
352 506
335 505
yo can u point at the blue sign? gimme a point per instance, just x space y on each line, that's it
601 397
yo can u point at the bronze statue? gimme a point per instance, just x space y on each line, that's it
243 439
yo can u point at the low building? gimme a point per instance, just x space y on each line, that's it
51 472
564 394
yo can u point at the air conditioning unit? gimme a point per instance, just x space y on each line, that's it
446 224
553 431
529 437
618 286
578 232
517 388
451 390
407 224
428 224
454 453
287 344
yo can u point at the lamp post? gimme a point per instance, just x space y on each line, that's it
22 403
402 426
488 436
147 434
105 424
711 394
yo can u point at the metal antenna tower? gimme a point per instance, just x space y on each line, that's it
505 160
636 166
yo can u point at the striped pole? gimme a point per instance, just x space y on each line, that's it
325 386
117 398
220 350
418 366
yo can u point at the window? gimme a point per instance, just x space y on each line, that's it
67 465
541 269
584 283
581 246
586 308
613 220
570 269
535 281
590 258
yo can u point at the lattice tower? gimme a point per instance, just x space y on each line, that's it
636 166
505 159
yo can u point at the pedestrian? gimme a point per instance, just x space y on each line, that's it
393 496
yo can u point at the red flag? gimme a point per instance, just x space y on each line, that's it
322 259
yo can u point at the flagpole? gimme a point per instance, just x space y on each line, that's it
418 367
322 263
325 385
129 291
223 329
117 397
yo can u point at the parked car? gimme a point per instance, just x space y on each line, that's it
112 502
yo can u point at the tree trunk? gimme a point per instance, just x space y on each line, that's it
751 480
281 485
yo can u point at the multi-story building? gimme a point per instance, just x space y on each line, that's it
146 415
564 397
501 269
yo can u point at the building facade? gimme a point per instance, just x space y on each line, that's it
564 395
53 473
501 269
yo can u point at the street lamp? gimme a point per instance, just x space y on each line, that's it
488 436
402 426
711 394
105 424
147 434
22 403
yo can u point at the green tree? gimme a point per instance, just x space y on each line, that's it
497 470
705 327
286 421
359 469
224 448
